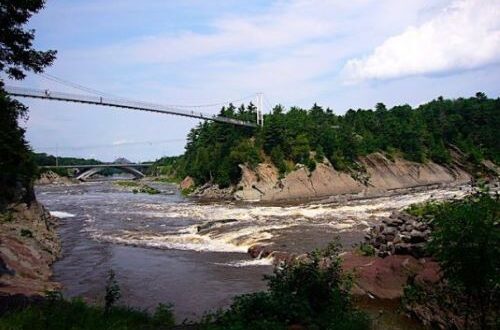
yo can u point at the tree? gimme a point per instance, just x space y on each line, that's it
466 242
17 56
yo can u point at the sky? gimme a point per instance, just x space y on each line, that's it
338 54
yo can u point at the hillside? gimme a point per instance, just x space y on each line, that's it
422 135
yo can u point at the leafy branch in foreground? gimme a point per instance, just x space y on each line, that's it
313 293
466 242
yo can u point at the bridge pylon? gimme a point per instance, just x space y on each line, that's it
260 114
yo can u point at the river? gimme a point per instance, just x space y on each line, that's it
169 249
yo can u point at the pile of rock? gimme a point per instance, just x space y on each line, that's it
402 234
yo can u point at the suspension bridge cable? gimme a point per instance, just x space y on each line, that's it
75 85
113 145
101 93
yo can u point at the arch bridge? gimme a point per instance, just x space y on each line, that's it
84 172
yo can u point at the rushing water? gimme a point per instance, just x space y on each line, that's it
165 248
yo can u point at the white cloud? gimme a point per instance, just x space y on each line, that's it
465 35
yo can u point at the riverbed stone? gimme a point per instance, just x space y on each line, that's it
402 248
417 236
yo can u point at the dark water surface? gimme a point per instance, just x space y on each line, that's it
161 255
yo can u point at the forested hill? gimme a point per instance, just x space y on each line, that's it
214 150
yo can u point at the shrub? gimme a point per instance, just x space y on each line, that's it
59 314
366 249
466 242
112 291
26 233
313 293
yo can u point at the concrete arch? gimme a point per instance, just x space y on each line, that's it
91 171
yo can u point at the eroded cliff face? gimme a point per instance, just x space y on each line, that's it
28 246
379 176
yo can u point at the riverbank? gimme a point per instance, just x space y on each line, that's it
376 175
29 246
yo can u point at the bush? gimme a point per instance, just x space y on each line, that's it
313 293
26 233
112 292
59 314
366 249
466 242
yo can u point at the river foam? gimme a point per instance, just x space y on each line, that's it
61 214
235 227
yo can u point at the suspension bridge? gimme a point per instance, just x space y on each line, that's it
131 105
84 172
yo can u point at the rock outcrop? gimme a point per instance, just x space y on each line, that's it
386 278
28 246
187 183
378 176
400 234
50 177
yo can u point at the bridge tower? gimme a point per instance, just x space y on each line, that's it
260 115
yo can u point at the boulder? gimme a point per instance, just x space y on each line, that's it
259 251
402 248
416 236
187 183
381 278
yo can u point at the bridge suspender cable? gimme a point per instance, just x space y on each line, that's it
125 104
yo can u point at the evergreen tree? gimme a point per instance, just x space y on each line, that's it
17 56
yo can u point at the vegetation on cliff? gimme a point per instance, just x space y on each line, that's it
17 56
214 150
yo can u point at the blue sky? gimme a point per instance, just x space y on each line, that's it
339 54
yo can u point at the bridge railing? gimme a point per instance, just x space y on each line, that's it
119 103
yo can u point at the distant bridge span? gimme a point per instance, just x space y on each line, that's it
126 104
89 170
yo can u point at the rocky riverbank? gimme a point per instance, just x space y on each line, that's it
400 234
378 175
50 177
28 246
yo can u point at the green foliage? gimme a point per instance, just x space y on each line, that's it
313 294
300 149
6 216
128 183
245 153
278 159
112 292
163 316
428 209
166 169
187 191
366 249
17 169
26 233
148 190
466 242
214 150
138 187
59 314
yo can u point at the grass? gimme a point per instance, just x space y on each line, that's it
127 183
138 187
75 314
6 216
167 179
365 249
425 209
